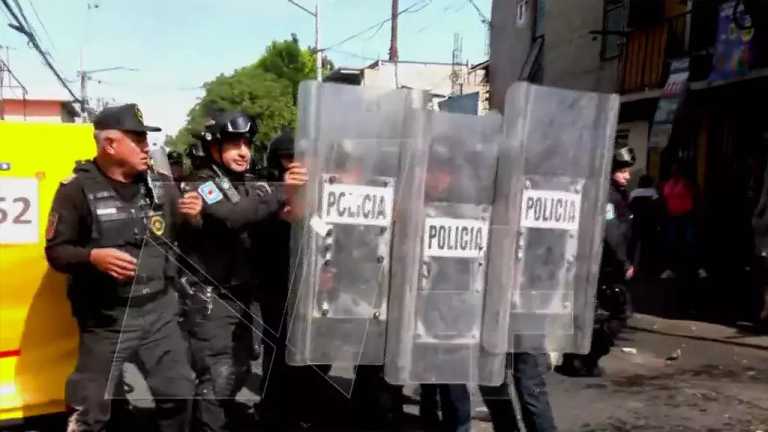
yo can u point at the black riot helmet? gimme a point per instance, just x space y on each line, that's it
229 124
175 158
280 147
196 155
445 151
623 157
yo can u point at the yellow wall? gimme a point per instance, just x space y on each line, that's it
35 315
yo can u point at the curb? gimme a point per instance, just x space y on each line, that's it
762 347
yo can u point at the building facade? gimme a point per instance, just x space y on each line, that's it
440 80
691 74
38 110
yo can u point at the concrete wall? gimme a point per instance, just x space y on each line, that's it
435 78
33 110
571 55
510 40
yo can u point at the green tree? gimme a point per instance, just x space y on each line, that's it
266 90
250 90
287 60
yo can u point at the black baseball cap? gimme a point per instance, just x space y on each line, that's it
123 117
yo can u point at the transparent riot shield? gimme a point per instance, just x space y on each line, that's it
159 160
440 254
350 139
547 237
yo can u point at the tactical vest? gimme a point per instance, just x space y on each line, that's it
140 228
224 254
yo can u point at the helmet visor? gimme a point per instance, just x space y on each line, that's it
238 125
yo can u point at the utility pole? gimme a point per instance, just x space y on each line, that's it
85 76
7 77
487 24
457 69
393 54
318 51
2 76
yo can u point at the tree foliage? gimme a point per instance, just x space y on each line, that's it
266 90
250 90
286 59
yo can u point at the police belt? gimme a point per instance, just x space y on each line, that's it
138 299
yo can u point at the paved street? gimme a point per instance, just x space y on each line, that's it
656 382
710 387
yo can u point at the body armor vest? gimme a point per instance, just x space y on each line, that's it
138 228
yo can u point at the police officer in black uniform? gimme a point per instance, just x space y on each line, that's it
616 267
112 230
288 393
176 161
221 332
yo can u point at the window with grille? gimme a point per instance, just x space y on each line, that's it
614 23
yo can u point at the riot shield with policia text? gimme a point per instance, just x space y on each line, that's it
548 219
440 254
350 139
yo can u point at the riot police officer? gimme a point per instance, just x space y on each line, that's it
616 268
176 161
196 156
111 230
288 393
220 330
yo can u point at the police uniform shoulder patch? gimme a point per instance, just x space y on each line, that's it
210 193
68 179
53 219
610 212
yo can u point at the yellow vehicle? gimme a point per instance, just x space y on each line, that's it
38 336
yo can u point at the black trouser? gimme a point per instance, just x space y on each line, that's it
148 328
528 372
221 343
288 393
604 335
757 300
613 309
454 405
375 402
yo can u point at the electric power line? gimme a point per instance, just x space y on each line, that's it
19 26
409 9
351 54
452 6
373 35
6 15
479 12
24 17
450 9
42 24
300 6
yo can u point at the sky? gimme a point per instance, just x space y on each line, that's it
177 45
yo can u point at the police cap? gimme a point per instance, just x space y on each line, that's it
124 118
